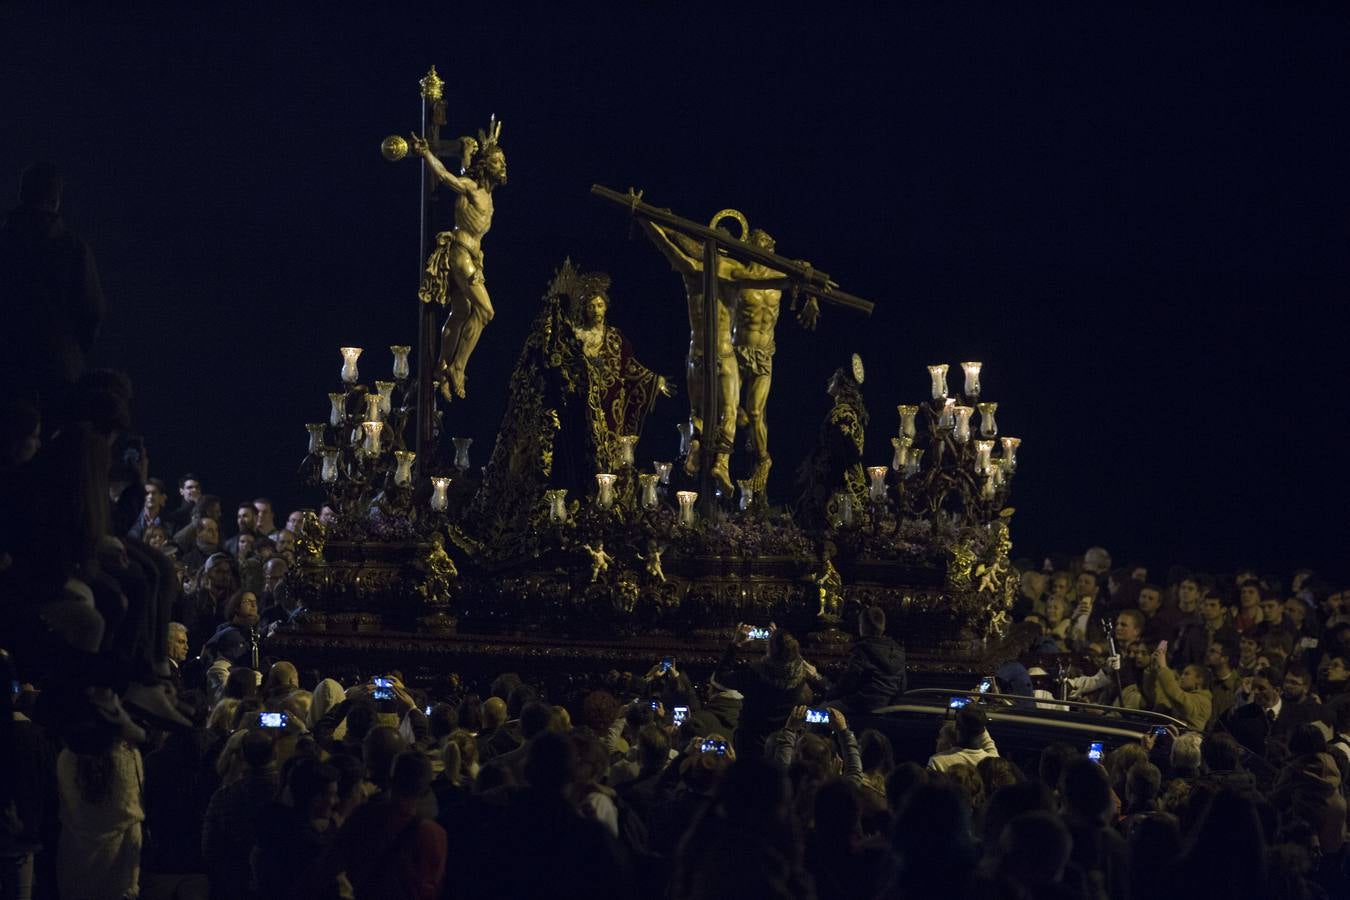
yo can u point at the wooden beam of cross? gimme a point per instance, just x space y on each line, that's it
799 277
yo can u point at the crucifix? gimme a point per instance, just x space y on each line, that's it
717 248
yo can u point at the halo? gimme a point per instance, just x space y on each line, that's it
732 214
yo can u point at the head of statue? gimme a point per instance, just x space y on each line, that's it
760 238
488 166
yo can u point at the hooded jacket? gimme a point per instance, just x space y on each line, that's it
771 689
875 674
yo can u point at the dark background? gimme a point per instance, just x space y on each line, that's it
1137 220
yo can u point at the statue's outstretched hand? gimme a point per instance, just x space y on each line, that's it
419 144
809 314
664 387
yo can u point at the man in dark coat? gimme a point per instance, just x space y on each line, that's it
875 675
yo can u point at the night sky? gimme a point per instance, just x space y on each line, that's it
1137 221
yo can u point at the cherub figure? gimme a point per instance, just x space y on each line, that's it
830 587
600 560
653 560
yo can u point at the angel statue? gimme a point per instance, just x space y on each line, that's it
652 559
600 560
454 271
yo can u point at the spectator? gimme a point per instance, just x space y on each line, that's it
101 816
972 741
1099 852
229 829
1187 698
875 674
772 686
292 836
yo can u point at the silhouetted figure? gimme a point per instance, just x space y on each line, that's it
50 295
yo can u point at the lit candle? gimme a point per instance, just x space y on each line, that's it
329 473
373 431
626 444
339 410
961 426
939 376
988 427
662 472
349 358
987 489
386 390
403 467
982 451
912 460
439 499
374 408
647 488
845 506
747 493
686 430
908 414
972 370
1010 445
401 368
901 445
462 452
877 490
557 505
686 500
315 430
947 418
996 472
604 498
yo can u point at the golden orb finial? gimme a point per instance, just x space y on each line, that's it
431 85
394 147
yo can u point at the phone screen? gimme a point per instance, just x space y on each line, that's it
382 693
381 682
958 702
1095 751
759 634
666 664
718 747
272 720
985 685
428 710
678 714
817 716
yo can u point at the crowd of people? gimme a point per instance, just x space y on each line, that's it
153 748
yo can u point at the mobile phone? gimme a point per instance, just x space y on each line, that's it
15 687
666 664
712 746
1095 751
654 704
985 685
1161 731
816 716
759 634
381 682
428 709
272 719
958 702
382 693
678 714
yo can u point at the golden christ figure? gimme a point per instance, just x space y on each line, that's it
454 273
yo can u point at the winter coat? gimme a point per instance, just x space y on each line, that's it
875 675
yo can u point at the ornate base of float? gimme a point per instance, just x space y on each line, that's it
373 606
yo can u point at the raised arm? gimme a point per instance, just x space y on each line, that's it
456 183
680 261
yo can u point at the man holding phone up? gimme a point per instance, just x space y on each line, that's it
1187 698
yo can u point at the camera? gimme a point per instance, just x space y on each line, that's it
678 714
1095 751
759 634
272 719
712 746
817 717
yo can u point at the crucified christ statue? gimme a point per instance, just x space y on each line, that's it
454 271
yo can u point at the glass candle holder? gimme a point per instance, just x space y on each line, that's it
349 357
747 494
462 446
401 367
339 410
947 418
997 472
901 445
315 430
844 503
386 391
686 430
987 489
604 497
686 499
440 500
403 460
983 449
908 415
912 461
877 489
374 430
557 505
328 472
1010 445
972 373
374 408
939 376
961 422
647 490
988 427
625 448
662 471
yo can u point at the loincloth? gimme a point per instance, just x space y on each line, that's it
440 270
756 360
